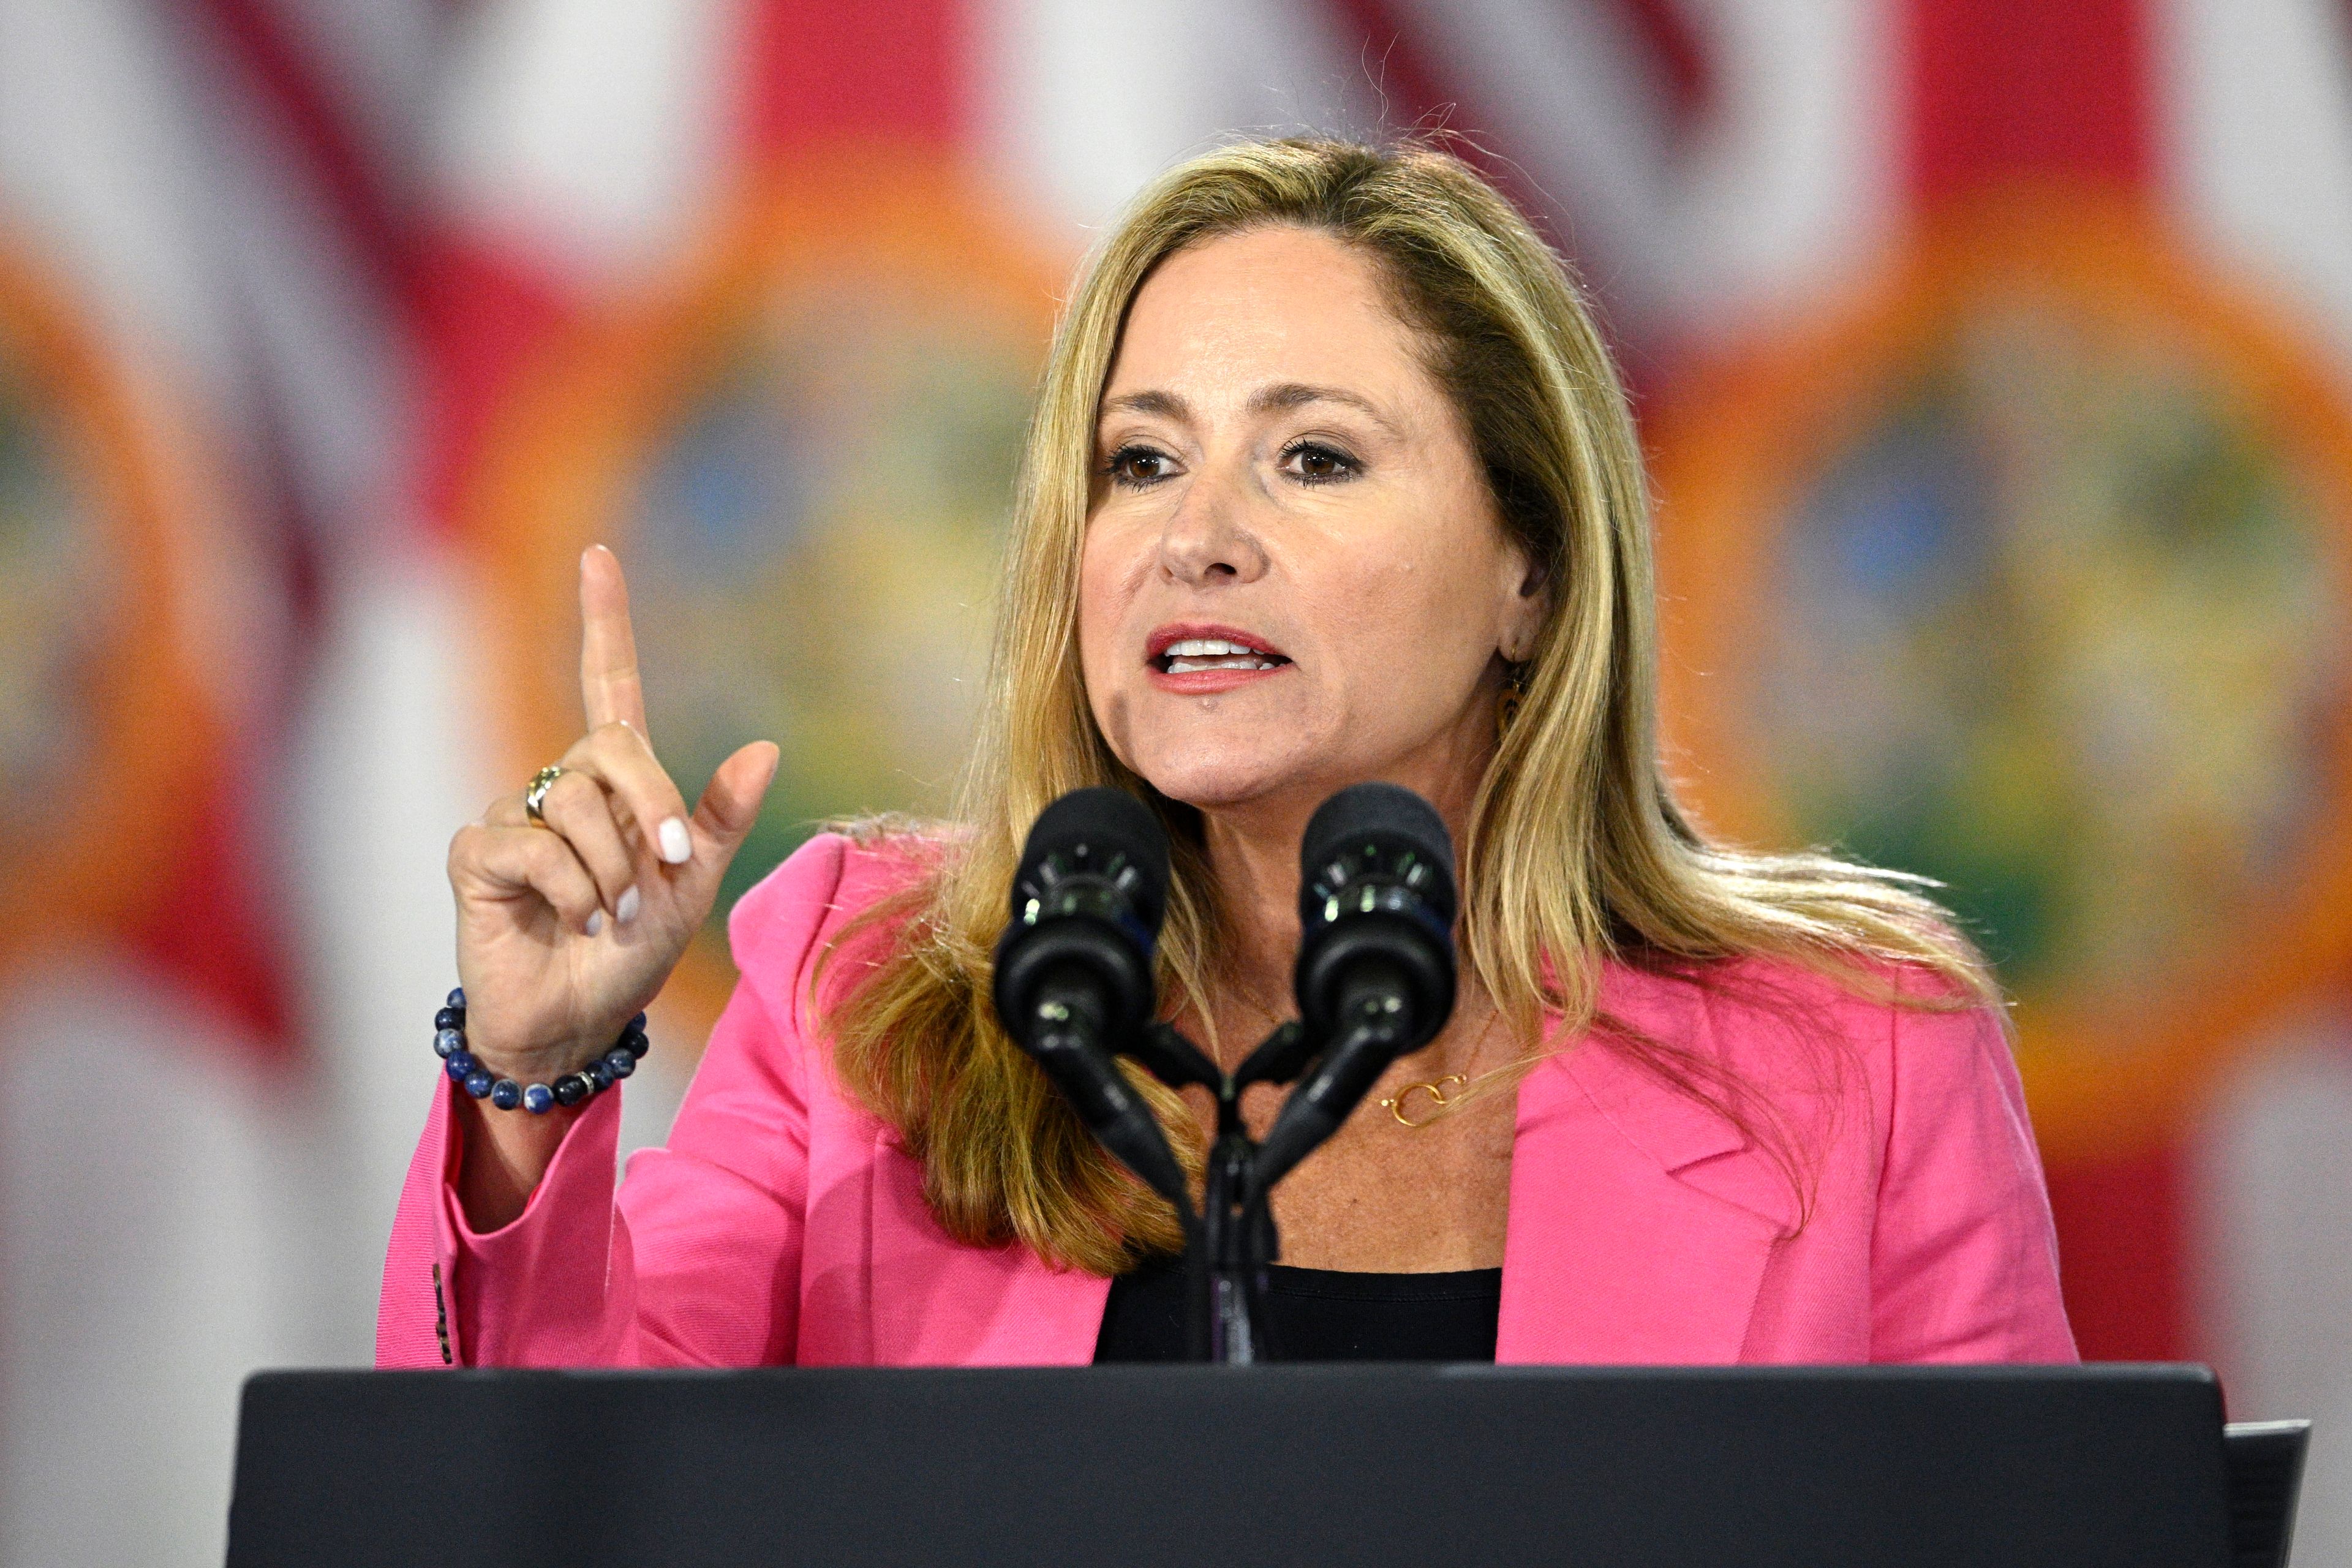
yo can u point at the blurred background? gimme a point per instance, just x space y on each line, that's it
1995 358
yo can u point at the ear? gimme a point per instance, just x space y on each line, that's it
1526 600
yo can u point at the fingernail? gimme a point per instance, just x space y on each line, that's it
625 908
595 921
675 847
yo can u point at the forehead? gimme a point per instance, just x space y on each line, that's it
1221 317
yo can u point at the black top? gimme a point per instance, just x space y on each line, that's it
1318 1314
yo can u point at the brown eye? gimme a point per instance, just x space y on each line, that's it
1137 466
1317 463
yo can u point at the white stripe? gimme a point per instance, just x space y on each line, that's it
2253 126
97 170
1080 102
172 1218
2275 1186
1566 92
2256 104
591 134
1795 183
394 678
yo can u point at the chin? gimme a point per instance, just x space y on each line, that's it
1213 780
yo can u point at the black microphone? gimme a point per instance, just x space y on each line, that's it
1074 974
1375 979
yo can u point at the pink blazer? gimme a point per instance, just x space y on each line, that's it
783 1223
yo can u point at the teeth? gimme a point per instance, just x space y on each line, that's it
1209 648
1186 666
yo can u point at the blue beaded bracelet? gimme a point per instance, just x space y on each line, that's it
465 1069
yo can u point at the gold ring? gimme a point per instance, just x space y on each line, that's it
534 793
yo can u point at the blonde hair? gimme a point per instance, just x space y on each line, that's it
1577 850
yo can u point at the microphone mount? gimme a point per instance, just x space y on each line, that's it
1375 980
1232 1240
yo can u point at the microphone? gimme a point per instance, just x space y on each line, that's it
1375 978
1073 979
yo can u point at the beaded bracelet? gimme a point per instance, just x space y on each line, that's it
466 1071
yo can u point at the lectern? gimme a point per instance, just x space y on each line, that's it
1296 1466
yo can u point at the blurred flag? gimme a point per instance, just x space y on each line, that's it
2015 547
1994 356
201 305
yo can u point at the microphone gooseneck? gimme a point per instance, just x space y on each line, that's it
1375 976
1073 980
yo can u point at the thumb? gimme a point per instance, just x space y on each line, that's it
730 801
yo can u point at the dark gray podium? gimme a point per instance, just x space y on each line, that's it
1295 1466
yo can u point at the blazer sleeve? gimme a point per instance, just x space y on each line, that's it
1964 1257
697 1262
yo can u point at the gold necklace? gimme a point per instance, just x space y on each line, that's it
1436 1088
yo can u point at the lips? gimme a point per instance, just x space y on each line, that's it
1180 648
1197 660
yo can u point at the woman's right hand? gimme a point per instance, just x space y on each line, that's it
564 931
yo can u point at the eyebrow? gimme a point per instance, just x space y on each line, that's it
1166 405
1266 400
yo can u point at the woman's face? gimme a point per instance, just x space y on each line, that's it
1293 575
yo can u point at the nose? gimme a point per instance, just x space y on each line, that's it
1207 541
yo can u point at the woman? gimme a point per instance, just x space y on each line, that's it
1330 480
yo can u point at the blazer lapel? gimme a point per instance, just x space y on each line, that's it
1641 1221
936 1302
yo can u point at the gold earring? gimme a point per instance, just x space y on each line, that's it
1515 691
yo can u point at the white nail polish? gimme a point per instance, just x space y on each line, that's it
595 921
625 908
675 847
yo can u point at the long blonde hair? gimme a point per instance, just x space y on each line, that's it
1577 850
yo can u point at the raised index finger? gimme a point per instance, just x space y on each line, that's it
609 686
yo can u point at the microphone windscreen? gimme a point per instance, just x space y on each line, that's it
1098 831
1395 819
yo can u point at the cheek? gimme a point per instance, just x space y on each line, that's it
1104 587
1394 609
1411 624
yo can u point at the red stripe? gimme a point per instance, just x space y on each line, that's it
302 91
2008 92
2122 1255
1393 60
1678 57
211 932
2022 89
881 68
490 309
1416 96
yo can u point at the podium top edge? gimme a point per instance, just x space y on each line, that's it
2174 1372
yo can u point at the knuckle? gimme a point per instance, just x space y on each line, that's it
566 793
584 805
614 738
543 853
566 885
584 752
